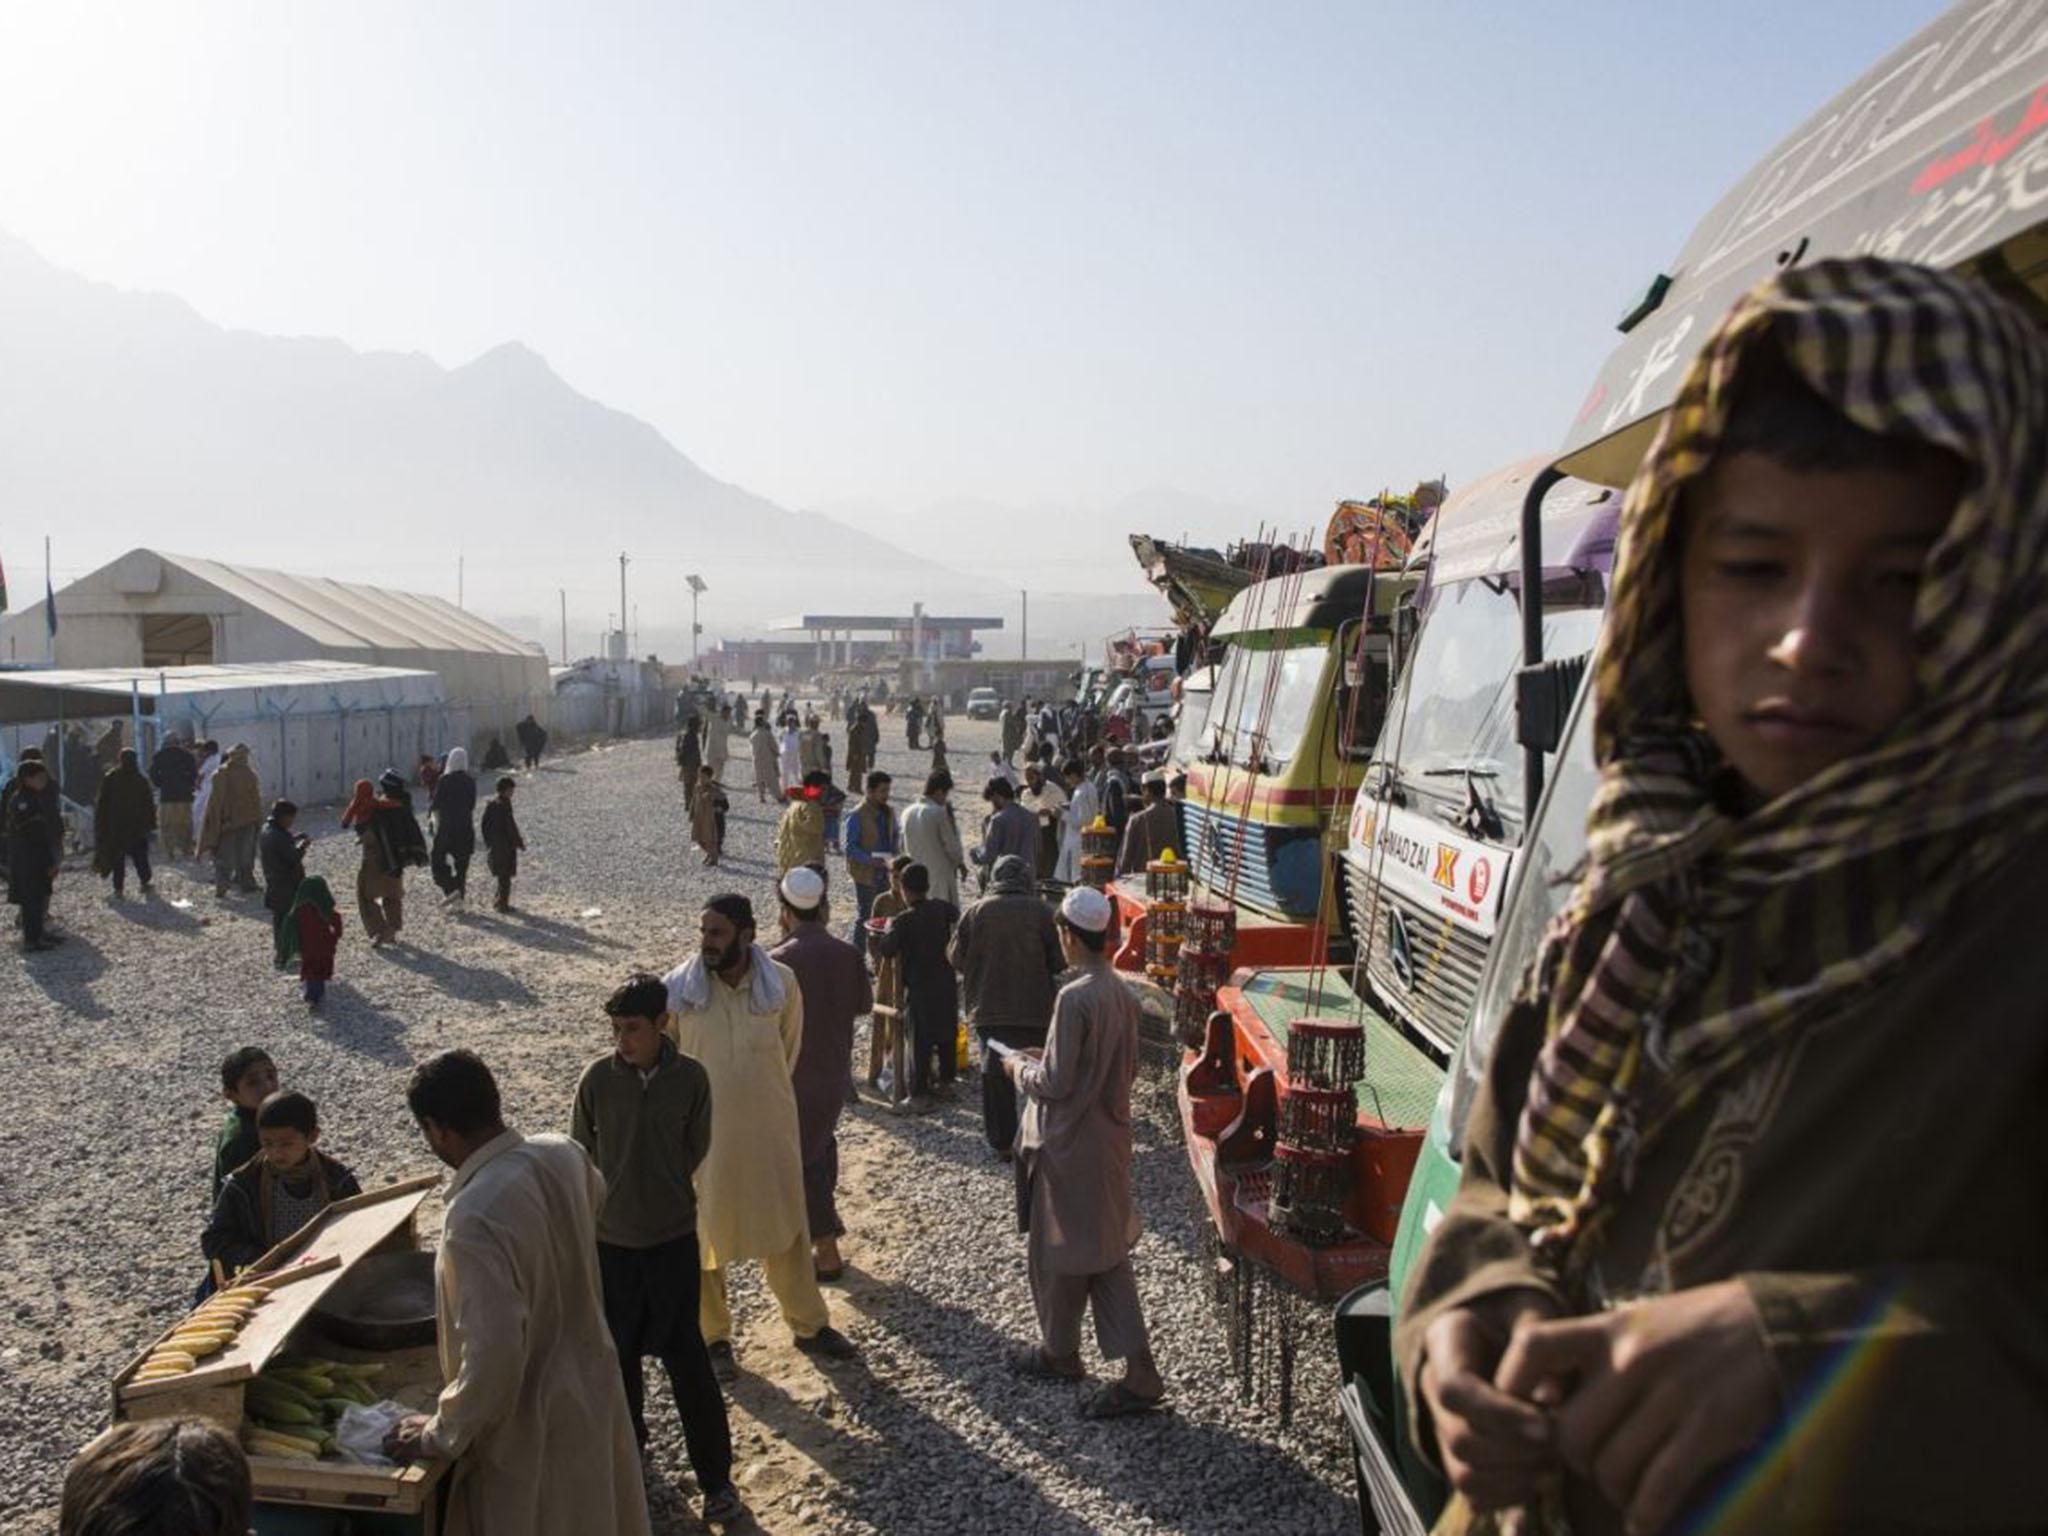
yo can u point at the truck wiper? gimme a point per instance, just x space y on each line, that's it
1462 771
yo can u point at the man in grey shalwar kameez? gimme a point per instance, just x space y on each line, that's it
1074 1172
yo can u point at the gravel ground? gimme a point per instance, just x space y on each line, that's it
113 1042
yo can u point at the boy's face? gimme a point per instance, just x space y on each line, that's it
257 1083
638 1040
896 885
288 822
1797 592
285 1149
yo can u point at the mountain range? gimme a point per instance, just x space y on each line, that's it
129 419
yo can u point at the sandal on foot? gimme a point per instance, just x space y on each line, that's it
1117 1401
1029 1360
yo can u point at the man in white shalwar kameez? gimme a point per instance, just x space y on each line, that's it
1084 805
1073 1168
741 1016
533 1414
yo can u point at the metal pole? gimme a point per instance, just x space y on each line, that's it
622 598
49 620
1532 620
693 629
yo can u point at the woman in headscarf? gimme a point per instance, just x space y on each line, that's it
452 805
1751 1226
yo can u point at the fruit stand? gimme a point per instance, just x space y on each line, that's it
256 1360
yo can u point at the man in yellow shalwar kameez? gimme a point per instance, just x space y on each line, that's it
741 1015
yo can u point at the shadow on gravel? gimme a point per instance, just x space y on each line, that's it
542 932
66 974
907 1425
952 1132
356 1024
156 913
1165 1463
476 983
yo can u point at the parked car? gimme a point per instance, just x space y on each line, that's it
984 704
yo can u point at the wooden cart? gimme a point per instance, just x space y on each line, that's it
326 1249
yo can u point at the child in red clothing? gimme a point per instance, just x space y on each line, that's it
312 932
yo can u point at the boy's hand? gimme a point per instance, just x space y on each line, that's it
1660 1393
1494 1445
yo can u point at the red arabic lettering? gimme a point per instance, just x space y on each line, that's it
1986 147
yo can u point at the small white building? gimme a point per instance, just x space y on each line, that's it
151 610
312 727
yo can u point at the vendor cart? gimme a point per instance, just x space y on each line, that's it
328 1495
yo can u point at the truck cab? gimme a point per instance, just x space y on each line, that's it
1439 816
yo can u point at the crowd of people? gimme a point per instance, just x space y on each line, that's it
704 1136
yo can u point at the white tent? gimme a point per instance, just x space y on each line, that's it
153 610
313 727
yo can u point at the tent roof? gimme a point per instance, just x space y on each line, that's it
28 698
343 613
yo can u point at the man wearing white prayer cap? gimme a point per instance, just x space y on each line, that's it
1073 1165
834 982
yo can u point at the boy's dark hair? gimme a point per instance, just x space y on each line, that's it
1074 766
279 809
507 783
900 862
158 1477
239 1062
456 1091
917 879
876 778
938 782
1091 940
641 995
288 1110
31 754
1775 413
34 767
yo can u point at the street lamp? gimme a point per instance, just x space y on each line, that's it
696 629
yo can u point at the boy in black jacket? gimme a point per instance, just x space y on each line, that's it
279 1190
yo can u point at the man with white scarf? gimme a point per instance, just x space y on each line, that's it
741 1015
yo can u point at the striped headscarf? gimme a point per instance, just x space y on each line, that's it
1699 939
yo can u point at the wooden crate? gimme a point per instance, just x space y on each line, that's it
327 1247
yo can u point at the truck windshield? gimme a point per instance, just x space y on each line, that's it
1281 682
1451 728
1543 877
1190 736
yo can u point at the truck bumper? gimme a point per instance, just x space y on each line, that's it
1389 1504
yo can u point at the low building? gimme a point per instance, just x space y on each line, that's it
312 727
152 610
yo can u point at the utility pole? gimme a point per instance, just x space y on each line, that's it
697 586
636 629
563 594
622 600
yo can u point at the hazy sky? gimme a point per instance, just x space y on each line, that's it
881 255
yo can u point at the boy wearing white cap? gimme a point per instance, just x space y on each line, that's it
1073 1166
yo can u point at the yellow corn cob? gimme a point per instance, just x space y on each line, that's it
264 1445
197 1344
180 1360
282 1435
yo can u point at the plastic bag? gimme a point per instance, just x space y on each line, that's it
360 1434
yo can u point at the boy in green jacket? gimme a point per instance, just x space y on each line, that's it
643 1113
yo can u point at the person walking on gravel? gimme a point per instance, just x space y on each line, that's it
534 1411
452 805
767 762
1007 951
283 852
1073 1167
31 863
872 840
835 989
800 834
175 773
503 842
234 813
391 842
932 837
742 1015
124 814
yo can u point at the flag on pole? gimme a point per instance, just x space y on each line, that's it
50 607
3 589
